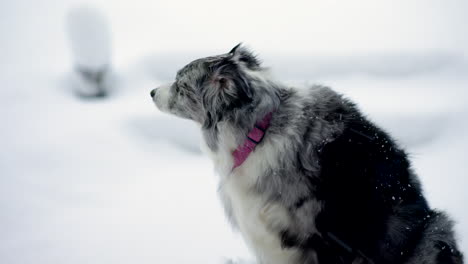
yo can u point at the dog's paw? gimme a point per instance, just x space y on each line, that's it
275 216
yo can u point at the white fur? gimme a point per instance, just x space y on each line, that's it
162 99
251 213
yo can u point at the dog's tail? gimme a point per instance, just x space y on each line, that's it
438 244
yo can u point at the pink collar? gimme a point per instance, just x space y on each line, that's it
254 138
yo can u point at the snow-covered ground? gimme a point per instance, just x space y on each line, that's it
116 181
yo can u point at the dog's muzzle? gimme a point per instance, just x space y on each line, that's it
160 96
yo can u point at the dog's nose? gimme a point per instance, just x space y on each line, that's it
153 92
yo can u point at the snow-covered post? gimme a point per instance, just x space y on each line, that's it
90 39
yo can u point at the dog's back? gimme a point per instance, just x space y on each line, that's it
374 210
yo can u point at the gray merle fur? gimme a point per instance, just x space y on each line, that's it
347 185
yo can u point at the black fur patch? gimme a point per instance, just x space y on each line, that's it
365 177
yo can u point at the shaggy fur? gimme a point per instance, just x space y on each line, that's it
324 186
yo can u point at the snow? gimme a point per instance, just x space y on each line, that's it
90 37
90 42
116 181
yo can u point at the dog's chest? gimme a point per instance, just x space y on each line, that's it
244 204
247 208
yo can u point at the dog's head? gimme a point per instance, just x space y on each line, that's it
211 89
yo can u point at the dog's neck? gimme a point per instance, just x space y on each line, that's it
236 125
231 138
221 141
254 138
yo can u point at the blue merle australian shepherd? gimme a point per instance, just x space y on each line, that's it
304 176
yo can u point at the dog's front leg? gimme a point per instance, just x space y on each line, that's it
275 216
285 224
295 225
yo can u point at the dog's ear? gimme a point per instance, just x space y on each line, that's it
231 82
241 54
233 50
225 90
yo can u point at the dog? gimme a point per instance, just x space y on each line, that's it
303 175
